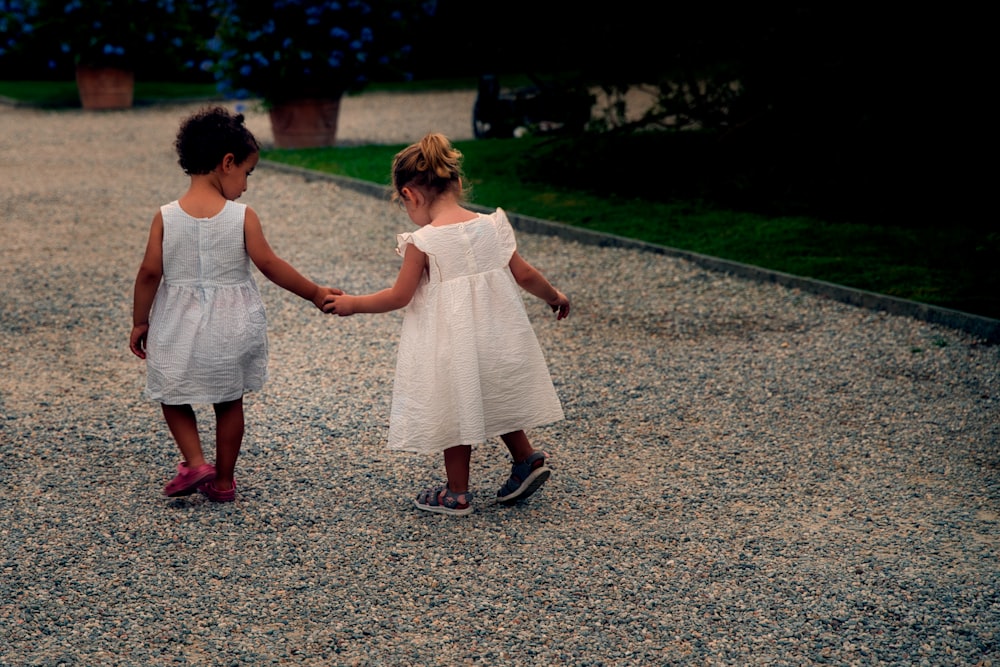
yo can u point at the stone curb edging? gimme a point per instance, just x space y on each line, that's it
985 328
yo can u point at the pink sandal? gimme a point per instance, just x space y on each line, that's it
217 496
188 479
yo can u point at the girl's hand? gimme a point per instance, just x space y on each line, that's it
560 306
322 293
339 304
137 341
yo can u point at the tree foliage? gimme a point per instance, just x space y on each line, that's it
845 104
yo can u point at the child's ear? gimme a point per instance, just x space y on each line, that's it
228 161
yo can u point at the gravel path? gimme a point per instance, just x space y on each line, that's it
747 475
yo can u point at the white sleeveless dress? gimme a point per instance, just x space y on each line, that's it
207 338
469 366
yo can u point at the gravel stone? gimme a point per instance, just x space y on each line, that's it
748 474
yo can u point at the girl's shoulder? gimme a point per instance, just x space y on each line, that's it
500 221
170 207
407 239
234 213
498 217
230 210
235 207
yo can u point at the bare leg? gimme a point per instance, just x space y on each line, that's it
184 427
518 445
459 500
228 440
456 464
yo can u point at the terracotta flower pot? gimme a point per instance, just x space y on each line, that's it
305 123
105 87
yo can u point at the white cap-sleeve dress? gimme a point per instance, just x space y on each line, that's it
469 366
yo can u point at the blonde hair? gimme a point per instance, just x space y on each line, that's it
432 164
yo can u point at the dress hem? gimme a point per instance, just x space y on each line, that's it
485 439
198 399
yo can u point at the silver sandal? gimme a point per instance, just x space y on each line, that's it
456 504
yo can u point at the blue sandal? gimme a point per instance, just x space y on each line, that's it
456 504
526 477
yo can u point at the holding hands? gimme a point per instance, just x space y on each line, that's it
339 303
322 294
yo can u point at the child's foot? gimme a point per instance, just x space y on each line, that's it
216 495
525 478
188 479
444 501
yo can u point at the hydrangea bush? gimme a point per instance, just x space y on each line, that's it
290 49
118 33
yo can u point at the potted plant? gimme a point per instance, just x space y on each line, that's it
104 40
299 57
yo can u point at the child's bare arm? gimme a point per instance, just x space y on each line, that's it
391 298
533 282
277 270
147 281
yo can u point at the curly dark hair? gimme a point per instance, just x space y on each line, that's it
207 135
